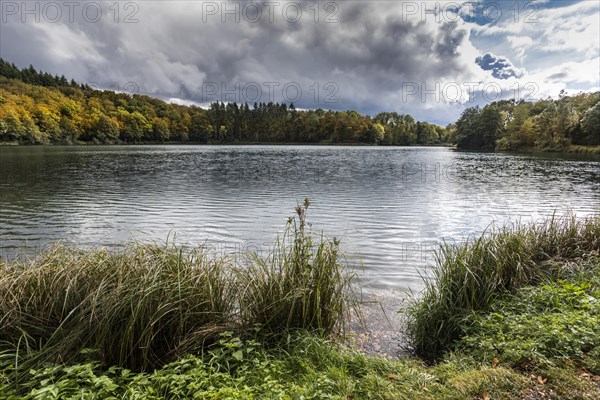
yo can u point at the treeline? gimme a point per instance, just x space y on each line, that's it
544 125
38 108
30 75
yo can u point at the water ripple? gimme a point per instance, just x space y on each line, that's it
390 206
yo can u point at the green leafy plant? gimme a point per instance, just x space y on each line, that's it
540 325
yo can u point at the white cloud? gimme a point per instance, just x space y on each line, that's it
63 44
520 44
570 28
583 72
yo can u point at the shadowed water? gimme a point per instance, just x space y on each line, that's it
390 206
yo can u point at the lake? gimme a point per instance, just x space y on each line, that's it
390 206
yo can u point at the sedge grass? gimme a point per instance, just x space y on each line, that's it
303 284
148 304
138 308
469 277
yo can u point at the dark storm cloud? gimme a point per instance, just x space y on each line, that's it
501 67
449 39
175 50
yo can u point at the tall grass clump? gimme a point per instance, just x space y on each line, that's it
138 308
470 277
303 284
146 305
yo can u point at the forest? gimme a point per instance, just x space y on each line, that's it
38 108
570 123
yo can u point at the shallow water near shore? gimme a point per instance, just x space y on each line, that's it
391 207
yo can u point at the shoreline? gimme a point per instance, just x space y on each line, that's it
574 150
249 144
505 329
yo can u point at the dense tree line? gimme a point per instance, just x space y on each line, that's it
30 75
544 125
37 108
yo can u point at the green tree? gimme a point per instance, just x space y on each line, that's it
135 127
467 134
69 131
590 126
105 130
489 126
201 129
161 130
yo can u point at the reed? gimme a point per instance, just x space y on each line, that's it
303 284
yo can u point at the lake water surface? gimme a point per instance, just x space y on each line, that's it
390 206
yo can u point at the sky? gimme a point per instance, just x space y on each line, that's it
430 59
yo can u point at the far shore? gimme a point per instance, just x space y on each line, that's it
573 149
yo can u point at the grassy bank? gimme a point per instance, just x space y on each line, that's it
513 315
517 357
147 305
469 278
